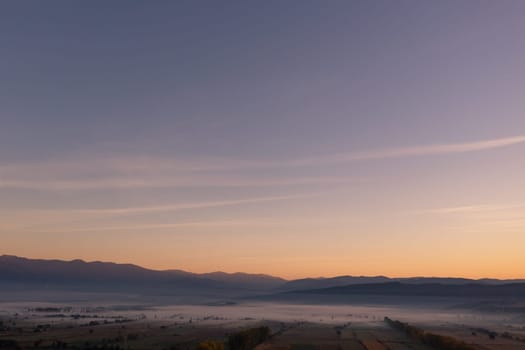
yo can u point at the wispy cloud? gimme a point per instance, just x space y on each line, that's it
170 207
187 206
170 182
140 171
421 150
166 226
467 209
38 219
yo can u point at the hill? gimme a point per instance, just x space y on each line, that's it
111 277
471 290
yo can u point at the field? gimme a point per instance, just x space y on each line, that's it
293 327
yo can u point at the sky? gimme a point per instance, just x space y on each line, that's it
293 138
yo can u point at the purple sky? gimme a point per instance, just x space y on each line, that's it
287 137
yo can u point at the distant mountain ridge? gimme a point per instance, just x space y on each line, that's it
315 283
78 275
514 290
341 281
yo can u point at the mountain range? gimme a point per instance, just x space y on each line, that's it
77 275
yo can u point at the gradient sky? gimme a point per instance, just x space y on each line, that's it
295 138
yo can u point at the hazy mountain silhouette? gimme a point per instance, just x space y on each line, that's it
470 290
77 275
247 280
456 281
317 283
107 276
340 281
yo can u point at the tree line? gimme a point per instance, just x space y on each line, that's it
437 341
244 340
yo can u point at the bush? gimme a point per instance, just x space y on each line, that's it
248 339
210 345
9 344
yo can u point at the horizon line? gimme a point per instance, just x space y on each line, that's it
262 273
